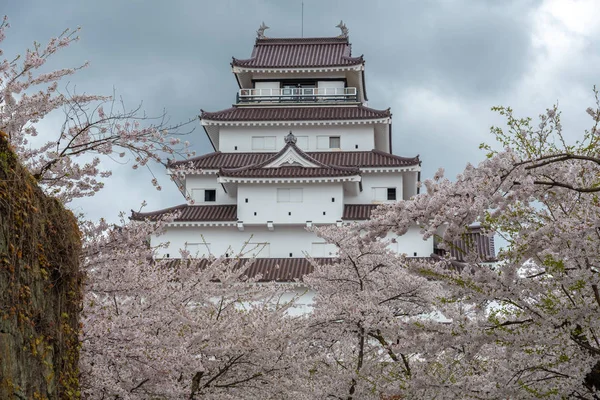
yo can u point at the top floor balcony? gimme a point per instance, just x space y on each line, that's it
298 95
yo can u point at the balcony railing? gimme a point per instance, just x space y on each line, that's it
294 95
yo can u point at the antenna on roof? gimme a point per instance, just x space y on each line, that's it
302 32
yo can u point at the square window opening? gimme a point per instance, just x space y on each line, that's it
391 194
334 142
289 195
210 195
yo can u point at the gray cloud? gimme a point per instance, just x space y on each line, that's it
440 65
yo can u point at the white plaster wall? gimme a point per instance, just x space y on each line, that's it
412 243
409 184
302 298
282 241
351 136
316 199
373 180
208 181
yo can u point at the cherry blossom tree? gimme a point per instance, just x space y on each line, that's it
368 308
534 330
149 328
66 162
383 325
177 329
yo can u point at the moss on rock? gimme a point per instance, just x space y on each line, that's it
40 289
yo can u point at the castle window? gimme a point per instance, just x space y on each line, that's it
204 195
302 142
210 195
328 142
289 195
263 142
391 194
319 249
334 142
384 194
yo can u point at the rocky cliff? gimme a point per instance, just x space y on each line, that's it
40 289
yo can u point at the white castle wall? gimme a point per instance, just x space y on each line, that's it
256 241
260 242
353 137
317 197
195 184
316 204
376 180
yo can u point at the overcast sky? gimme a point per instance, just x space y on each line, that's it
439 65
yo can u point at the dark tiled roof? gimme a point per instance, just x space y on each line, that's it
300 53
273 269
283 269
358 211
260 170
364 159
191 213
318 113
474 241
288 172
373 158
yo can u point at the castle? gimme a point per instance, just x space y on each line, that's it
300 147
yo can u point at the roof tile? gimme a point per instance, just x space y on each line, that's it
300 53
317 113
191 213
273 269
358 211
260 169
362 159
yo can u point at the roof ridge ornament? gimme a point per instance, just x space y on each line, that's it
343 28
260 33
290 138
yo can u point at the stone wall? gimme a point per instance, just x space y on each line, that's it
40 289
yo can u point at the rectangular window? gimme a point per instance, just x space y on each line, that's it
384 194
334 142
391 194
328 142
210 195
302 142
263 142
289 195
333 90
266 88
318 249
322 142
204 195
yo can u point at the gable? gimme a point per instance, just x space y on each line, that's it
290 157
